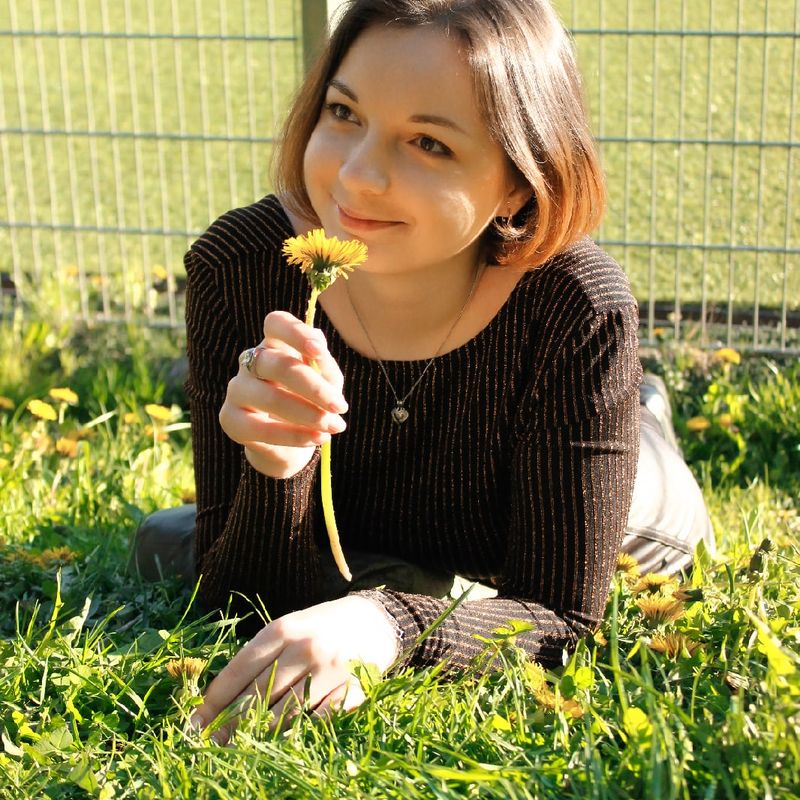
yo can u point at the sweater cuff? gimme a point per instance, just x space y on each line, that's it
406 628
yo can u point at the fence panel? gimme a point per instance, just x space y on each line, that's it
126 126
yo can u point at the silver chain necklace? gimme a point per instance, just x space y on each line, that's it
400 412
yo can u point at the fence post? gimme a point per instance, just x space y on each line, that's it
316 14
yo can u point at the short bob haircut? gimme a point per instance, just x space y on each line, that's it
529 89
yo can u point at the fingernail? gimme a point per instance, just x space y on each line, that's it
338 406
336 424
316 347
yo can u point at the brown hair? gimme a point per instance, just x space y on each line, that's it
529 90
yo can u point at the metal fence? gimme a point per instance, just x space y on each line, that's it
125 127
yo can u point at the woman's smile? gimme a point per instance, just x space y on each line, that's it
359 223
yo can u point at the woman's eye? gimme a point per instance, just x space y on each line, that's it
434 146
340 111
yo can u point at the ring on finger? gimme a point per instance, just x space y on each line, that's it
247 358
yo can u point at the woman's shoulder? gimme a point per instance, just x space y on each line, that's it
258 228
583 277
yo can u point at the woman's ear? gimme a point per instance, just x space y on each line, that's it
519 194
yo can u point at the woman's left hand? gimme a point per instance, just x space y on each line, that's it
317 643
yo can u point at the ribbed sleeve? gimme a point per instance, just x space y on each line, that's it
515 467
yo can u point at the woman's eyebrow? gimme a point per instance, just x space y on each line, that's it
424 119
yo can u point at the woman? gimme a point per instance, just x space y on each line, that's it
479 373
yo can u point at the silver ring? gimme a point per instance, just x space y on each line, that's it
248 357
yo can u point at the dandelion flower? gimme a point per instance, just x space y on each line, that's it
159 434
157 412
728 355
628 565
697 424
130 418
159 273
545 696
652 582
67 447
6 403
190 668
673 645
42 410
599 638
725 420
4 462
658 609
323 260
64 394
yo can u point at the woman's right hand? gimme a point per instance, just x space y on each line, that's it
282 408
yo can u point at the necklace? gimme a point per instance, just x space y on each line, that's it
400 412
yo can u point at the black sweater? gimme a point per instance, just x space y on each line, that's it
515 467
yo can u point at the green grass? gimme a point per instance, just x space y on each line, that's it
88 709
637 86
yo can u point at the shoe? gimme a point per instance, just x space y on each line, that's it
653 396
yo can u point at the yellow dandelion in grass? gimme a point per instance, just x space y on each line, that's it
159 273
599 639
628 565
130 418
673 645
658 609
158 413
4 463
42 410
64 394
6 403
728 355
323 260
653 581
697 424
725 420
67 447
545 696
190 668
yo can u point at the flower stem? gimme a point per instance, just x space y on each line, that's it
325 471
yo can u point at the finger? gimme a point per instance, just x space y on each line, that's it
265 396
282 331
299 378
241 672
259 432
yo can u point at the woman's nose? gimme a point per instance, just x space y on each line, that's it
365 167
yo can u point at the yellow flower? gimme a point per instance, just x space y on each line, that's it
628 565
599 638
6 403
652 582
322 258
159 273
673 645
728 356
130 418
65 395
697 424
158 412
42 410
67 447
191 668
545 696
658 609
4 463
725 420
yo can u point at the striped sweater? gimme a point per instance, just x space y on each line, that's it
515 467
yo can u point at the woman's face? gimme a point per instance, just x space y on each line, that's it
400 157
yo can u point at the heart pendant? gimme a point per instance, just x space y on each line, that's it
399 414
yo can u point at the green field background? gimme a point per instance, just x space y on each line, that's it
121 144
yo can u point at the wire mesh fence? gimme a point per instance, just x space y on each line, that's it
126 127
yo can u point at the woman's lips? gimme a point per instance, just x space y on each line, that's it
352 221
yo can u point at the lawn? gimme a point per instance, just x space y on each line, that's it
93 435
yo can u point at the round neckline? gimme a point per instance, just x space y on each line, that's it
472 342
